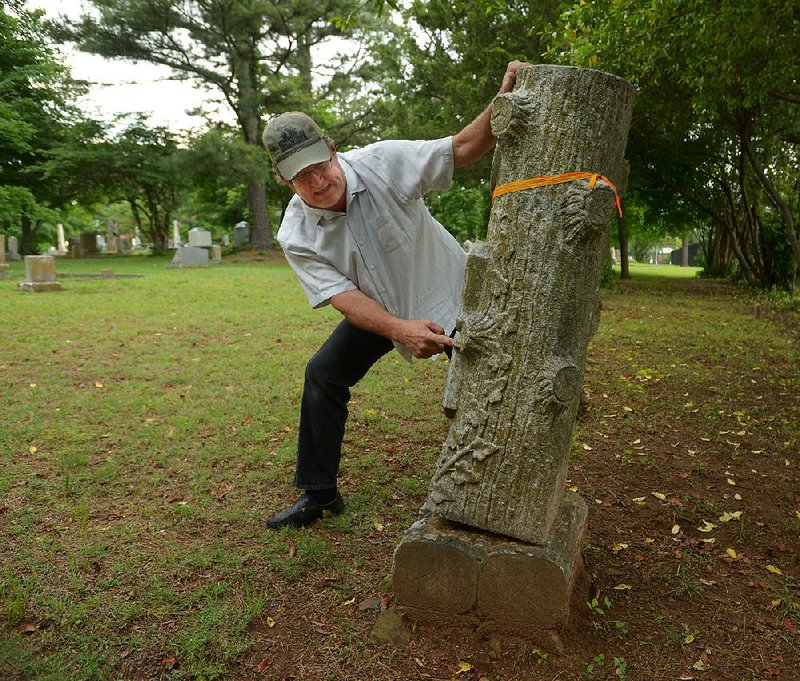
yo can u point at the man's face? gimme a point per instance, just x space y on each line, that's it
322 185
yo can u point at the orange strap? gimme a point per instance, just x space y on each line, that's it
545 180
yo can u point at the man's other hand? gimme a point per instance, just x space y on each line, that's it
423 338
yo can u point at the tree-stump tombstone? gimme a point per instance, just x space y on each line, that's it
499 543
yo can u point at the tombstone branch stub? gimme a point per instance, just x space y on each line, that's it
529 308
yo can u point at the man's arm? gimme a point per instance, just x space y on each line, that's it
423 338
476 138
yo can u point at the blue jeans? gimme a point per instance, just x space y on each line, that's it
339 364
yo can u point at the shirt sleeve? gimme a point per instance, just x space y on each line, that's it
319 279
417 167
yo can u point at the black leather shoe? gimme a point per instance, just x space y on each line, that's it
304 511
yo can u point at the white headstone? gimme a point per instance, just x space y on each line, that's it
62 246
176 235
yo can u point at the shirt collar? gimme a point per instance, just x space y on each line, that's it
353 186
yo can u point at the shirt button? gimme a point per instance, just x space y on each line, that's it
383 290
361 243
372 267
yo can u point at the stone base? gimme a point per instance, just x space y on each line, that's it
449 573
39 286
190 256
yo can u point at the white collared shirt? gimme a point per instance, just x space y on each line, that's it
386 243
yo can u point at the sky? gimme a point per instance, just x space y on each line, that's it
121 86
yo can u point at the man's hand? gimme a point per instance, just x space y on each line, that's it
423 338
510 76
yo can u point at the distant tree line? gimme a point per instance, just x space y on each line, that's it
713 145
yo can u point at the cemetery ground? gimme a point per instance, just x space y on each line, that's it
148 429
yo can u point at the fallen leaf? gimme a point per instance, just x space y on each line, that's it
676 529
689 639
573 489
638 499
168 662
627 409
28 628
616 548
352 601
463 667
292 550
699 666
97 384
586 447
270 622
326 513
737 496
731 482
261 666
32 449
649 540
377 524
622 587
791 627
707 582
727 517
706 526
659 495
386 601
774 570
732 553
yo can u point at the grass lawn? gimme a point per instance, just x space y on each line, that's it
148 429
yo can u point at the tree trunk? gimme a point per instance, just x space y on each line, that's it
260 233
28 231
625 266
530 303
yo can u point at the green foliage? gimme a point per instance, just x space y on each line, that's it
716 122
463 211
256 55
450 66
34 117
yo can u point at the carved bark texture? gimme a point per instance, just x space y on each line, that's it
530 304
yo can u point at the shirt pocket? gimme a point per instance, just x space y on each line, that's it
392 232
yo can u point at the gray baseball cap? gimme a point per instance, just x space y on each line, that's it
294 142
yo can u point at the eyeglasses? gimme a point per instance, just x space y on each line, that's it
316 169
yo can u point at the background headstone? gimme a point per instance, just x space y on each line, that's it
3 263
190 256
241 234
176 235
40 274
62 246
13 250
216 253
200 237
88 242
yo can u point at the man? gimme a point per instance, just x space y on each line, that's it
359 237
